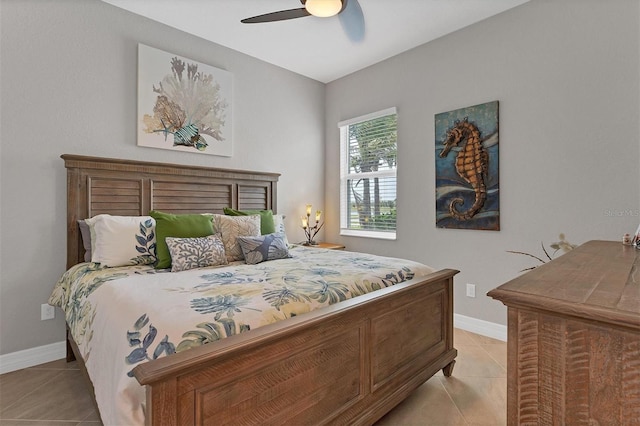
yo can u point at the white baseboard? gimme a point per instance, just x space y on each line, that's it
41 354
478 326
34 356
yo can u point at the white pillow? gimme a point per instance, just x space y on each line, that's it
198 252
232 227
122 240
278 223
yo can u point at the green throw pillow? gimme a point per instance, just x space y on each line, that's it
180 226
266 218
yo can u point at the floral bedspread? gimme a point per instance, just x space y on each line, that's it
120 317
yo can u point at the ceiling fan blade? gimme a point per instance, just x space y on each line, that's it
281 15
352 20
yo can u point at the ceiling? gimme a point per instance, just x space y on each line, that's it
318 47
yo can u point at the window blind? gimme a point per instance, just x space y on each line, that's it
368 175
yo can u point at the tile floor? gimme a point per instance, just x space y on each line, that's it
55 393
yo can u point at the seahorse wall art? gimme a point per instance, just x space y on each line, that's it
467 184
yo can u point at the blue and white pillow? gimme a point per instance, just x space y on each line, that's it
263 248
122 240
198 252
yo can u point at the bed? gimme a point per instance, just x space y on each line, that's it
349 362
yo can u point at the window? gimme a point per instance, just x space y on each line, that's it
368 166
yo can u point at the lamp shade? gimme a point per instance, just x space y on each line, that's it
323 8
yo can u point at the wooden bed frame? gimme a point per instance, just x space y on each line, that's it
349 363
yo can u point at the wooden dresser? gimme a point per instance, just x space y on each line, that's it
574 339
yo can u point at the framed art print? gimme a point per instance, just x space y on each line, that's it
183 105
467 181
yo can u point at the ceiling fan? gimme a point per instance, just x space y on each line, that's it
349 12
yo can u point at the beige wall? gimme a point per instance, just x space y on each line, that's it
69 81
566 73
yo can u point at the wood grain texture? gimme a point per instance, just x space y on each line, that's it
551 367
599 282
577 386
630 386
410 344
349 363
574 339
528 365
317 368
302 386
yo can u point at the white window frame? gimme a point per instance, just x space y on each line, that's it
345 176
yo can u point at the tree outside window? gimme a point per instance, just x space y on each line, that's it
368 175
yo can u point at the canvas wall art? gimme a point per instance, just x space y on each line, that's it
183 105
467 181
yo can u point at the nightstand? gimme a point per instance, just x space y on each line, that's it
328 246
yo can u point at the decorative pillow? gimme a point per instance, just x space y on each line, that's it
180 226
232 227
266 218
278 223
85 233
263 248
122 240
190 253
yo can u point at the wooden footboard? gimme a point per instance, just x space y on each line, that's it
346 364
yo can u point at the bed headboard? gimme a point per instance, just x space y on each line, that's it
133 188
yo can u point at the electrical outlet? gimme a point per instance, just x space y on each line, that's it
471 290
47 312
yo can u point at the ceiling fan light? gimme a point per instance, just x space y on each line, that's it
323 8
